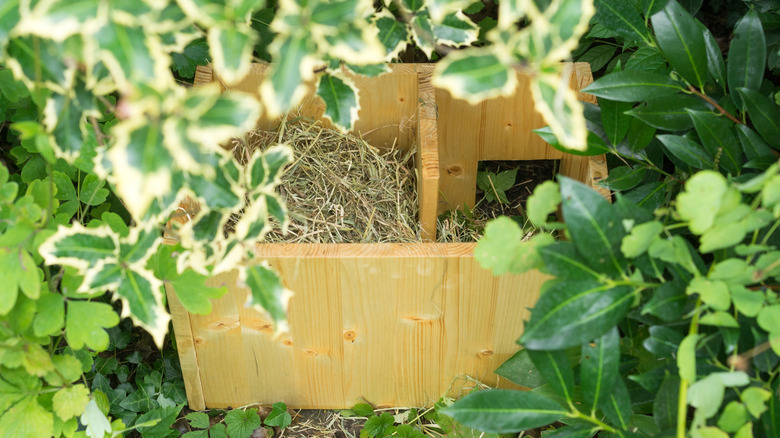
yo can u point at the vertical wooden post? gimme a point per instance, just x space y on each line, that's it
427 157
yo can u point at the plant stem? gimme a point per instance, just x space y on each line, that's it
602 425
709 100
682 399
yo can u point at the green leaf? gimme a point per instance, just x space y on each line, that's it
341 100
370 70
85 322
617 405
669 112
707 394
278 417
764 115
502 248
158 421
455 30
700 202
599 369
755 399
666 403
92 191
722 236
647 59
520 369
231 50
624 178
363 410
378 426
622 18
562 260
9 18
713 293
715 65
746 57
393 34
70 401
422 33
196 53
752 144
555 368
746 301
687 151
733 417
241 423
50 315
716 134
719 319
570 313
504 411
682 42
615 122
632 86
140 293
598 56
79 247
198 419
543 202
266 293
593 225
769 319
27 419
192 291
474 75
595 146
283 86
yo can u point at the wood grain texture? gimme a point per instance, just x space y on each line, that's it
427 160
185 344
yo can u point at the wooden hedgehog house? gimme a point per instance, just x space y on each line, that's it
391 324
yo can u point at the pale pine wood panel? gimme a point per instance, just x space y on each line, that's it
427 160
185 344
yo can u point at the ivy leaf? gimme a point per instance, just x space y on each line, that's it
474 75
502 249
632 86
570 313
241 423
746 57
682 42
504 411
85 322
342 101
278 417
192 291
70 401
266 293
27 418
196 53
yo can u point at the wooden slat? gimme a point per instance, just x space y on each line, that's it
427 160
185 344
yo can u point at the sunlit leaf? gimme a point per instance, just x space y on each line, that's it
267 293
86 322
342 101
474 75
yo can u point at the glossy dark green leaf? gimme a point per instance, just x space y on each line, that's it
599 368
752 143
617 405
667 302
614 119
687 151
633 86
598 56
624 178
647 59
622 18
666 402
764 115
669 112
682 42
595 146
562 260
663 341
504 411
556 369
717 135
639 135
572 312
520 369
593 225
715 65
747 56
341 101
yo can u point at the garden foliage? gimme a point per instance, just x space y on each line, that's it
103 147
661 316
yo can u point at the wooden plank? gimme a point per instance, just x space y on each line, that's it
427 160
185 344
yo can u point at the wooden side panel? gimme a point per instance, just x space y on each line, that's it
186 346
427 160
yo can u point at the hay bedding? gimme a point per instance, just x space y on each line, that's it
340 189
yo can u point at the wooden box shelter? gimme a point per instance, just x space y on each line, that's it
391 324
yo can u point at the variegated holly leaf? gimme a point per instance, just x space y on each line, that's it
393 34
79 247
64 119
336 13
133 56
105 275
140 164
475 74
141 298
455 30
60 19
266 293
9 18
438 9
253 225
283 86
218 120
210 12
191 156
140 244
224 191
34 60
342 102
557 103
265 167
370 70
422 32
412 5
357 43
566 22
231 51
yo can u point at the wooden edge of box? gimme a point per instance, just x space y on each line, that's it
427 161
364 250
188 357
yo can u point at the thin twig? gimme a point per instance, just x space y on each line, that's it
709 100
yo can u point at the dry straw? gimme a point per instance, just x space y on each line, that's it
340 189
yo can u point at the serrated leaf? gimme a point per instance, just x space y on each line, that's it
632 86
570 312
622 18
746 57
241 423
141 297
27 419
132 55
563 112
50 315
70 401
369 70
85 322
195 53
455 30
342 101
393 34
682 42
504 411
266 293
502 248
198 419
474 75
